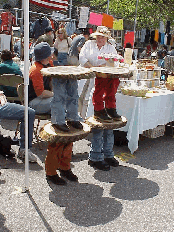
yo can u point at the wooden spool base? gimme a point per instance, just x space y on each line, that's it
94 123
48 133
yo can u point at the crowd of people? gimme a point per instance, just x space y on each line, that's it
59 98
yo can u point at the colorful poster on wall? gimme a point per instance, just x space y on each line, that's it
129 38
118 24
95 19
107 20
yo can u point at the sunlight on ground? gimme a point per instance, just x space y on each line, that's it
125 156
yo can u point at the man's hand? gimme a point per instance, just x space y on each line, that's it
46 94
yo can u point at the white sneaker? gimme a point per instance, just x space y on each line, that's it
31 157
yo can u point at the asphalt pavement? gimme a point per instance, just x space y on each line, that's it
137 196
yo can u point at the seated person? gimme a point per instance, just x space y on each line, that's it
40 93
14 111
8 66
47 37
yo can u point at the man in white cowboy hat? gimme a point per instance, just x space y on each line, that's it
105 88
101 155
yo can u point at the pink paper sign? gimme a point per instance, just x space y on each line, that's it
95 19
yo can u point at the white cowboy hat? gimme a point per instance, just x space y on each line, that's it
103 31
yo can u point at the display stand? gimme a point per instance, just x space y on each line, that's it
95 123
68 72
50 134
112 72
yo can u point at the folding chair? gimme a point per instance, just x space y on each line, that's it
11 80
38 117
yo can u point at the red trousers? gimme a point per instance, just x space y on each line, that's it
58 157
105 91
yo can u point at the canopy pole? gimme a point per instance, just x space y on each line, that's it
70 9
107 7
135 22
26 82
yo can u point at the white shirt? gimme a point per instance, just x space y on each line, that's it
62 45
90 52
3 99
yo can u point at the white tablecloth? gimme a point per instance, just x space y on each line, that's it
144 114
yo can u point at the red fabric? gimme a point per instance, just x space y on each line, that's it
37 78
129 38
105 90
52 23
58 157
52 4
8 19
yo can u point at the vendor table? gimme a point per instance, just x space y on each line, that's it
141 113
144 114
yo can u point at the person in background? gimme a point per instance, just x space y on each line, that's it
62 45
101 155
171 52
48 36
148 50
129 47
8 66
40 88
17 47
161 54
76 45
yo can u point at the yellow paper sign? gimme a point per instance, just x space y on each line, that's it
118 24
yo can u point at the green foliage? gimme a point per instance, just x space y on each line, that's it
149 12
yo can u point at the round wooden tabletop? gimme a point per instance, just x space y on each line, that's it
68 72
112 72
95 123
50 134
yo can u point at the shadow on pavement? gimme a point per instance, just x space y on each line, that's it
155 154
84 204
2 222
80 157
127 184
41 153
49 229
18 166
